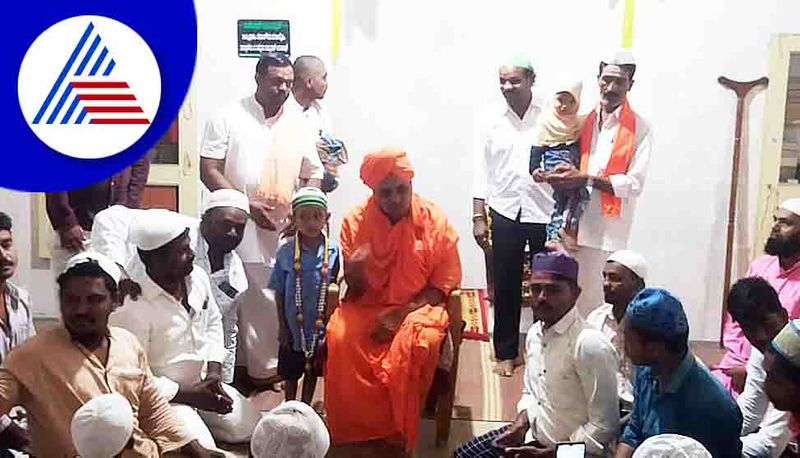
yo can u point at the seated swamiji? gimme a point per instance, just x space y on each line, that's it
400 262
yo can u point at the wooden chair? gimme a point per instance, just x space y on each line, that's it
440 400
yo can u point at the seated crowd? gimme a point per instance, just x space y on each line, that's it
143 360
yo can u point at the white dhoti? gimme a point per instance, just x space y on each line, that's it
258 324
233 428
590 277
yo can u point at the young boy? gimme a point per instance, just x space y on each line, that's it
557 143
304 267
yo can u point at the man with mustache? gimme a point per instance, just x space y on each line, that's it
221 229
570 381
615 145
59 370
262 146
179 324
780 268
16 326
518 207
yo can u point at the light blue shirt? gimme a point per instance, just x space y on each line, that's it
282 282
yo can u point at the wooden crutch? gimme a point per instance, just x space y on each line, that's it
741 88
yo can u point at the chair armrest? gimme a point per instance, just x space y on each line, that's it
333 300
454 311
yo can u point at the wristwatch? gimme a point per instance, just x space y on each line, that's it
590 181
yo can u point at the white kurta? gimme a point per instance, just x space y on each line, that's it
602 318
110 233
598 235
243 136
179 344
765 430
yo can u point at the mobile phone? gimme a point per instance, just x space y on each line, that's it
570 450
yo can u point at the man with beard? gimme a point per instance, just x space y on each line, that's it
780 268
179 325
623 277
221 229
56 372
263 147
615 145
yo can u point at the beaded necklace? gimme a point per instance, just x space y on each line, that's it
298 300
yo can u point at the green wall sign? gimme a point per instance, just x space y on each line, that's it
257 36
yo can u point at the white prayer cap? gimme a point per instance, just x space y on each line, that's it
227 198
102 427
110 267
291 430
632 260
156 228
620 57
671 446
791 205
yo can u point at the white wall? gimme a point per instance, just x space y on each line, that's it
418 74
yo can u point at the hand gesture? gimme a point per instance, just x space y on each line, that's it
72 238
209 395
387 324
539 176
355 271
259 212
738 377
128 287
480 231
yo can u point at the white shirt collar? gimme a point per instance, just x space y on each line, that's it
151 290
564 323
533 107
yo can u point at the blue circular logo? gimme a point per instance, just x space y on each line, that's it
91 87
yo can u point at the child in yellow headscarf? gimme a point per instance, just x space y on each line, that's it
557 143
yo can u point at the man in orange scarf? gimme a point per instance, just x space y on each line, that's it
400 263
615 150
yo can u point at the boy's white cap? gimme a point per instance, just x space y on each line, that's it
102 427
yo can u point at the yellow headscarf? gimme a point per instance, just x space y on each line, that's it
555 128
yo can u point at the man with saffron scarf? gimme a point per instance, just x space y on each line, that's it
615 150
400 263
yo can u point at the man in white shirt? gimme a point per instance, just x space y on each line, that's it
615 151
179 325
623 276
214 238
755 306
261 146
310 86
570 384
519 208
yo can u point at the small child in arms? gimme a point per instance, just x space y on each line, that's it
557 143
304 268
